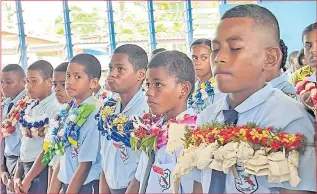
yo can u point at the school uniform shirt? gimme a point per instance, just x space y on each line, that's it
267 107
13 141
4 108
86 151
119 163
31 147
284 85
161 176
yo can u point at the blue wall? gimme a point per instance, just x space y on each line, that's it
293 17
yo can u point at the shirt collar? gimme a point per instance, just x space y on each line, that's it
18 97
252 101
132 102
47 99
276 81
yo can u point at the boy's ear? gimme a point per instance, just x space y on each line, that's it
273 57
50 82
94 83
185 90
141 74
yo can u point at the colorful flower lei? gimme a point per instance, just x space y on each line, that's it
308 93
250 133
263 152
33 127
198 99
7 126
63 136
150 136
117 127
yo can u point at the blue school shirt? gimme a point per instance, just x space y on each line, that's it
284 85
120 164
13 142
4 109
32 147
87 150
267 107
163 183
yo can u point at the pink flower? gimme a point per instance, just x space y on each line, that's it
162 140
155 131
188 120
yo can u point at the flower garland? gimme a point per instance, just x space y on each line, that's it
218 146
7 126
62 136
114 126
150 136
33 127
198 99
308 93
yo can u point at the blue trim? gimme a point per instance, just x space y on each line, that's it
151 24
189 22
112 33
68 33
22 45
224 1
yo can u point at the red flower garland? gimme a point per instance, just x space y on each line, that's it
7 126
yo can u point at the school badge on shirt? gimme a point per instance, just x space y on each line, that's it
123 151
74 151
164 177
244 182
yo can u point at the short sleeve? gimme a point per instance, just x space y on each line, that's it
90 147
140 171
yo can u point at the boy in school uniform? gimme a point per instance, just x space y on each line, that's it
245 47
34 120
170 81
127 72
281 81
79 165
59 77
13 85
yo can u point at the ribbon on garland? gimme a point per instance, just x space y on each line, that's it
71 135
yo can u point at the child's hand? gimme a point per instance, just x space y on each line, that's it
5 177
10 185
26 184
17 185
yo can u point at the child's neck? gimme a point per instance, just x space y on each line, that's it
176 111
273 76
205 78
45 96
239 97
13 97
127 97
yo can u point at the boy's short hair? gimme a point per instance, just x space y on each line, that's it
292 55
201 41
262 17
14 68
309 28
177 64
91 64
44 67
158 51
137 55
61 67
